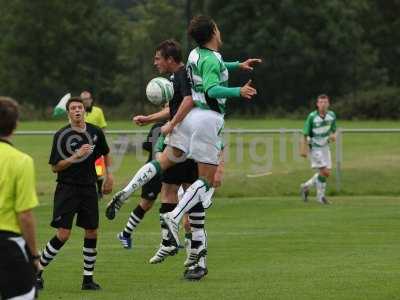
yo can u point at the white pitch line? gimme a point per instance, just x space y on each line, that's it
258 175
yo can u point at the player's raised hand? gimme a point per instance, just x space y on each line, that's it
248 65
247 91
140 120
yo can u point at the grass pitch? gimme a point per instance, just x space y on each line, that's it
259 248
264 243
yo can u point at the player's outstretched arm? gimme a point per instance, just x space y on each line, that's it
185 107
162 115
246 91
249 64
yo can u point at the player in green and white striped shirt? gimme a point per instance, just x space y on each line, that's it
319 130
196 136
199 134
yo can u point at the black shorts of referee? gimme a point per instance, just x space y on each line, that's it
17 273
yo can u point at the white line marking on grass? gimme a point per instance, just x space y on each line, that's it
258 175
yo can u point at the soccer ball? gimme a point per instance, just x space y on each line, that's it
159 90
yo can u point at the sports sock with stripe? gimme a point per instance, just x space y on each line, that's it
191 197
135 218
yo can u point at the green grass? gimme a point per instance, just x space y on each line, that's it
263 242
259 248
230 123
370 161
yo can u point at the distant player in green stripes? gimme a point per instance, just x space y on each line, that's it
319 130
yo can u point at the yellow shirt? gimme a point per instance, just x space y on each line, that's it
96 117
17 186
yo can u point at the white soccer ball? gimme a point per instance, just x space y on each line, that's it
159 90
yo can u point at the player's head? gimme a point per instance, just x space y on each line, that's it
87 99
168 56
203 30
323 103
9 114
75 109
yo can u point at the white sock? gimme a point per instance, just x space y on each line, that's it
202 259
191 197
202 262
144 175
321 188
312 181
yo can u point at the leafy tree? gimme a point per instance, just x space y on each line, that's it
309 47
51 47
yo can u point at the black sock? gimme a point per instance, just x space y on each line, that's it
135 218
167 207
51 250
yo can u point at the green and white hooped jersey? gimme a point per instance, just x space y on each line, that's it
205 70
319 128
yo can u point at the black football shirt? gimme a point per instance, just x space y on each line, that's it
182 88
66 142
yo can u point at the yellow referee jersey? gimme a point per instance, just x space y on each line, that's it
96 117
17 186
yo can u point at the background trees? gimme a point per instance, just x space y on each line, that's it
347 49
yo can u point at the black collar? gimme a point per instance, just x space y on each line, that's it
5 141
202 47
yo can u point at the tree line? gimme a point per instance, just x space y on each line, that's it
349 50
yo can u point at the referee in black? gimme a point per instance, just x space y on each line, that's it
18 252
75 150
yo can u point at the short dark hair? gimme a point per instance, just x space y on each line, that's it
9 114
170 48
323 96
73 99
201 29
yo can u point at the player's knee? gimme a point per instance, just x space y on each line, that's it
326 172
146 204
165 161
91 233
63 234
